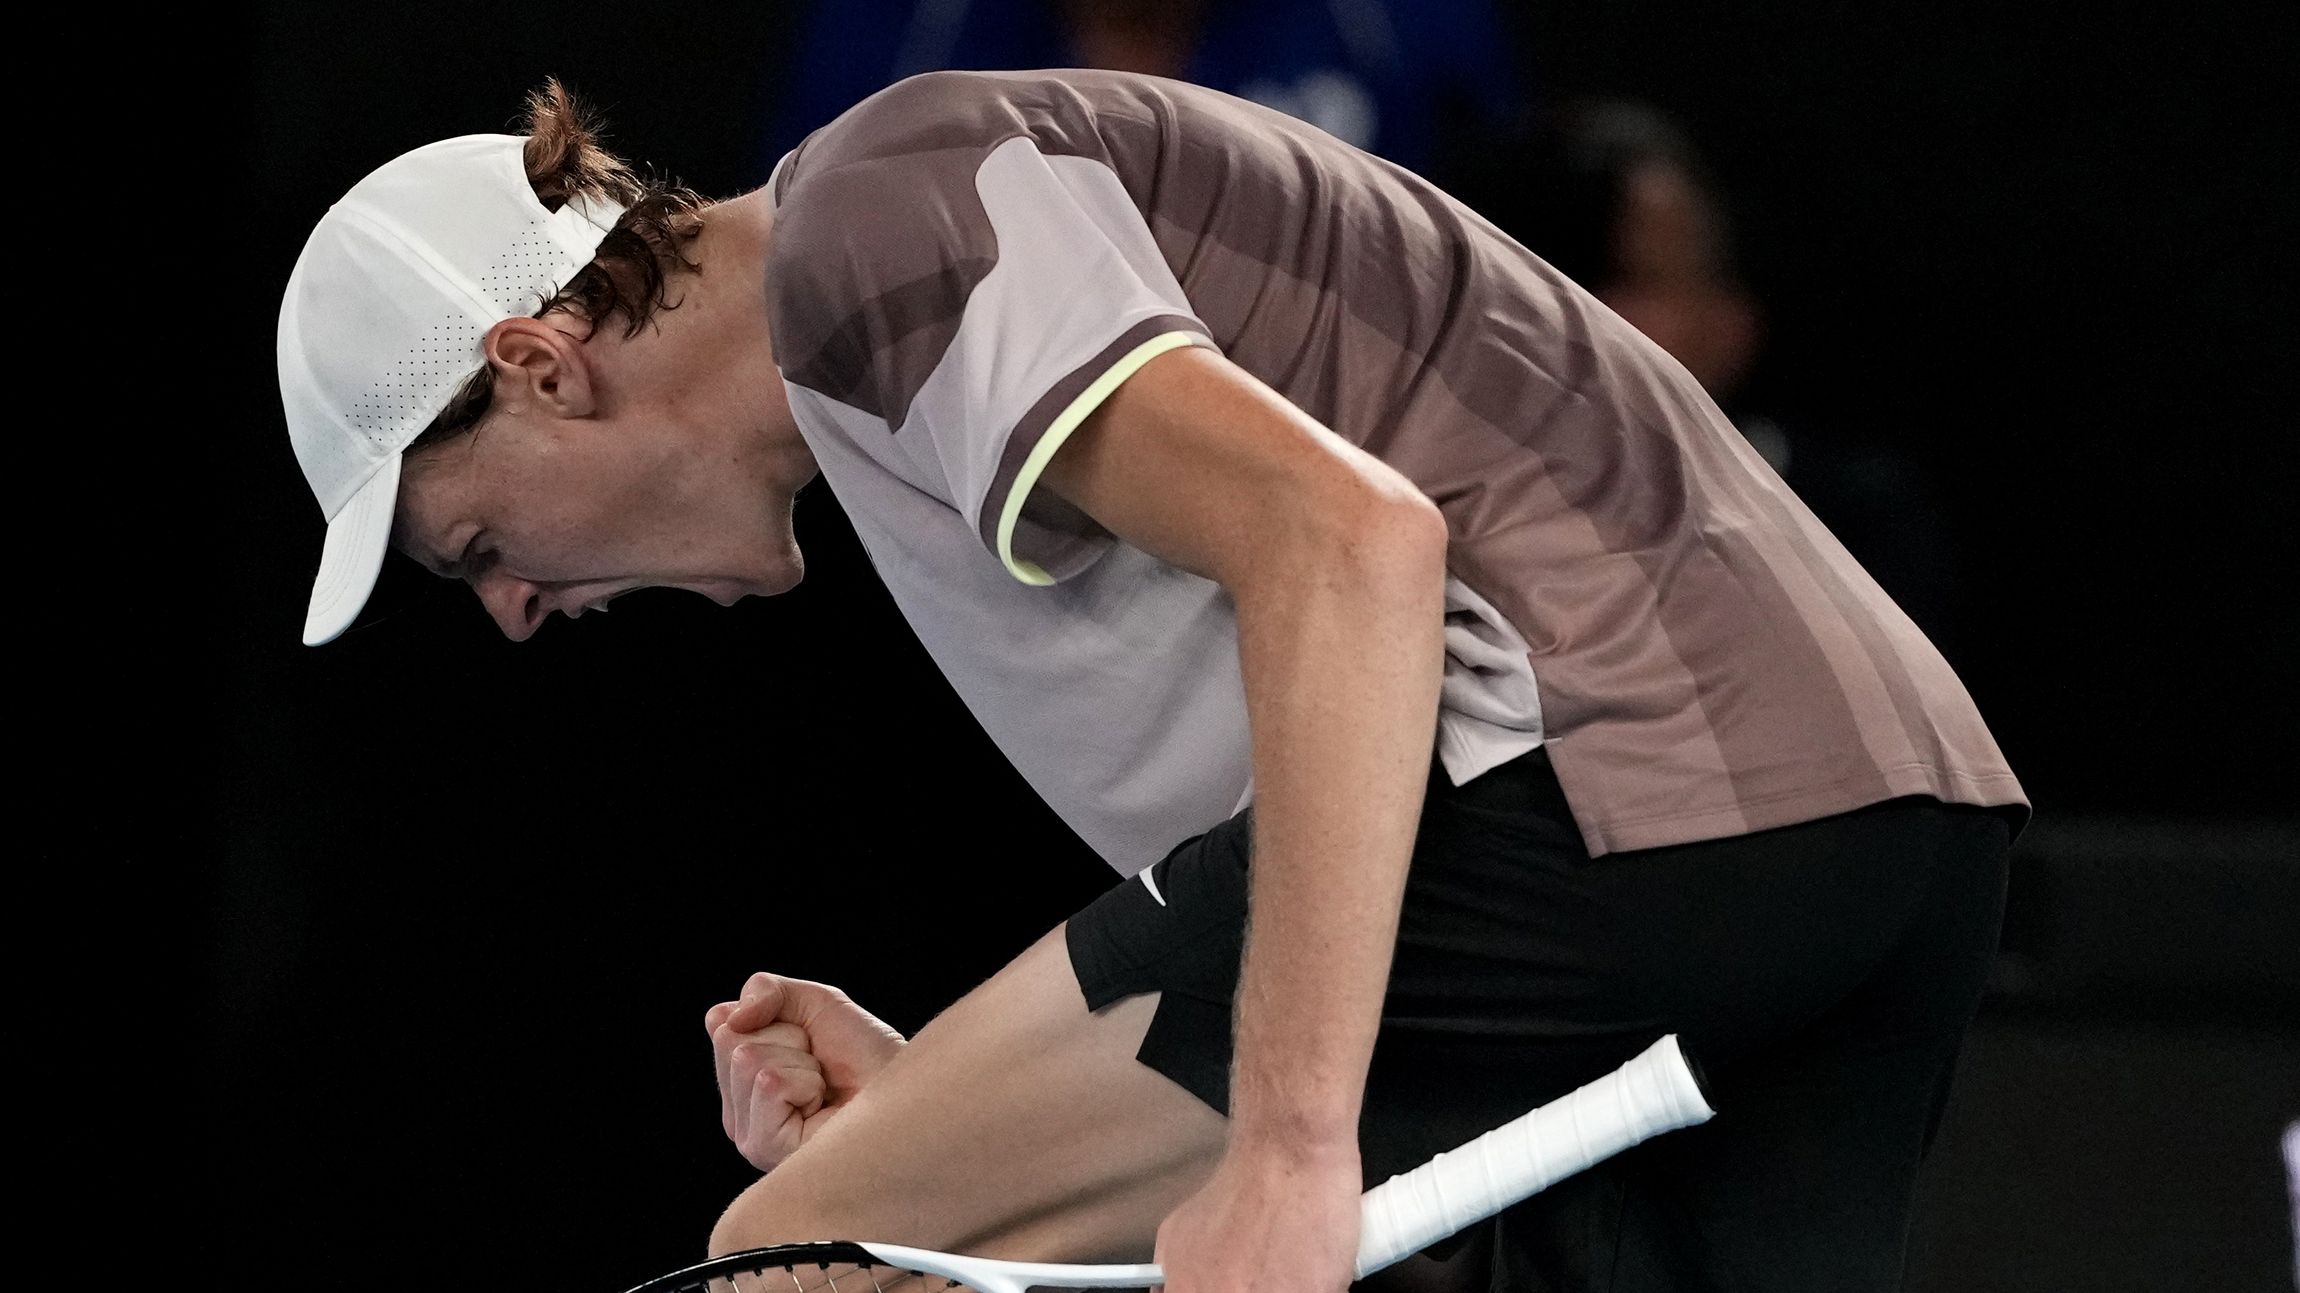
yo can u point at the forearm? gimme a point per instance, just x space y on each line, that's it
1342 650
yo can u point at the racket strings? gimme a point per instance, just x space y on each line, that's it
816 1277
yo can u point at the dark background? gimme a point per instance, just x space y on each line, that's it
460 905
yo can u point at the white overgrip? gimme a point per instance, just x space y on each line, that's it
1651 1094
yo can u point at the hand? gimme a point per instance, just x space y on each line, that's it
790 1054
1272 1219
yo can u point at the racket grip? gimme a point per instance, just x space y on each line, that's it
1651 1094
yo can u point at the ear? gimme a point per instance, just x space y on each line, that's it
539 366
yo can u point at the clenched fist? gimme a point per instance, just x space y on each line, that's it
790 1053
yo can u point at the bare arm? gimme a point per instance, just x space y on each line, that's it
1336 566
1342 655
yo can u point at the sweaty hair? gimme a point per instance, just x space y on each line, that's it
630 275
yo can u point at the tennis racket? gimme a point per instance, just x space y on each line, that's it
1651 1094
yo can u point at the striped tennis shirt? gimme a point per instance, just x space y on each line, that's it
963 266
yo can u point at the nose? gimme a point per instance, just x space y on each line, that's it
516 605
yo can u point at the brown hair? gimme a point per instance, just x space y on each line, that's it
631 273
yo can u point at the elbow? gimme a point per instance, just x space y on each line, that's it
1428 527
1377 532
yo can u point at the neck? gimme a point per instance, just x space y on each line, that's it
718 344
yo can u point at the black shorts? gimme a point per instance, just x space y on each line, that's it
1821 975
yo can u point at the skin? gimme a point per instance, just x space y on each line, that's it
671 459
1088 1146
1336 564
1017 1084
665 460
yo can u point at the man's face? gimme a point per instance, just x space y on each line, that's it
540 513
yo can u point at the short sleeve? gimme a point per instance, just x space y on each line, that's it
980 302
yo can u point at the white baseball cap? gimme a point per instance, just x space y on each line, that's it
383 321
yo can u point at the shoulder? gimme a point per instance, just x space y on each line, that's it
933 112
1070 111
887 194
897 165
879 238
881 231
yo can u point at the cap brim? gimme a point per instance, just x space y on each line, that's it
352 556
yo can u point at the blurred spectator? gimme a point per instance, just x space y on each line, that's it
1615 195
1417 82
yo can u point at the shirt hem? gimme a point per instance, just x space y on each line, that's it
1794 807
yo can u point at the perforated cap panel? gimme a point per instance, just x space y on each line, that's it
398 283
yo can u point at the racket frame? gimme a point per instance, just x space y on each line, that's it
1656 1092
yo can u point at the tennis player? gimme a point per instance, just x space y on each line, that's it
1469 702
